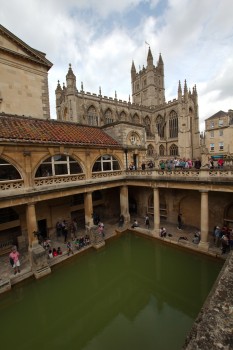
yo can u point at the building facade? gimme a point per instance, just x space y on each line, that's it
218 136
171 128
24 78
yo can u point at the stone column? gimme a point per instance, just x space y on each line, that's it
204 244
37 254
156 211
88 209
124 203
32 224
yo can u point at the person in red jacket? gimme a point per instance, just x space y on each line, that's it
14 259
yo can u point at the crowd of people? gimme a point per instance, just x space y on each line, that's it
223 237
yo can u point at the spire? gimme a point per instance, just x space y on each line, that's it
70 78
149 58
179 91
185 86
58 89
115 95
133 71
160 60
100 92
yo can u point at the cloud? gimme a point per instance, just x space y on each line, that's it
101 38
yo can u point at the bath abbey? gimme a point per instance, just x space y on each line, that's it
101 155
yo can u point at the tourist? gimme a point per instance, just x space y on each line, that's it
147 222
101 229
135 224
58 228
59 252
179 219
163 232
196 238
225 244
217 236
64 230
14 259
54 252
121 220
50 254
197 164
69 248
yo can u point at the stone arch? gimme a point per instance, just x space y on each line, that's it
106 162
8 171
58 164
123 116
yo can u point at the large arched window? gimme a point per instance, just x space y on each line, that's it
59 165
173 150
161 150
147 125
160 124
8 171
92 116
108 116
106 163
150 150
173 124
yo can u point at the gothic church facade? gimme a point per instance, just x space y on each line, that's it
167 129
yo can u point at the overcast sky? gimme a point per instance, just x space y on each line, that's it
100 38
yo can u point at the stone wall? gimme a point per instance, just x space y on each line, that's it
213 328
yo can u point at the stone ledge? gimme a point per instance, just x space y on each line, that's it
213 328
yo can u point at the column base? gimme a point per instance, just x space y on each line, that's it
203 246
39 261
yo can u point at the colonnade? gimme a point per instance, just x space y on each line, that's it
124 207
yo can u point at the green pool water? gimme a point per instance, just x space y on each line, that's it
133 294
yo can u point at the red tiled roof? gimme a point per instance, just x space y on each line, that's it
31 130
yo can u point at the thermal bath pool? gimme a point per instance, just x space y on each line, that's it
134 293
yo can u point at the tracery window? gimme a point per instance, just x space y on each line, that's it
136 119
160 124
150 150
174 150
147 125
173 124
106 163
161 150
108 116
8 171
59 165
92 116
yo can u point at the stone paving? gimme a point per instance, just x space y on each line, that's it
6 271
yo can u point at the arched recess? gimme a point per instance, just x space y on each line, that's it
147 124
136 119
59 164
106 163
65 114
8 171
92 117
161 150
150 150
173 150
108 116
160 125
189 207
123 116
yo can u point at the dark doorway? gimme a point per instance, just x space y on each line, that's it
42 227
132 206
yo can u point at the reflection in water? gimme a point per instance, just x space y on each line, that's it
134 293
